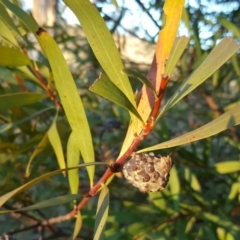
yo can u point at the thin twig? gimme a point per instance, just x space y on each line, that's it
111 170
47 89
136 141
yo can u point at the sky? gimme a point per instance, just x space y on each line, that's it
136 18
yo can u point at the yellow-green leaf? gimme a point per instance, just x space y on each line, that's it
138 76
33 182
173 11
102 43
174 187
70 98
218 56
37 150
225 121
102 214
11 57
12 100
55 141
46 203
6 33
78 225
7 19
26 18
228 167
73 155
192 179
179 46
107 89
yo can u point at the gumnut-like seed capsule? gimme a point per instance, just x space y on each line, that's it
147 172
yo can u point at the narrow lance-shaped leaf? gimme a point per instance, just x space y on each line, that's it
12 100
7 19
33 182
11 57
109 90
73 155
219 221
229 25
172 11
46 203
38 150
6 33
218 56
69 96
55 141
175 188
102 214
228 167
225 121
179 46
191 178
78 225
24 17
7 126
103 45
138 76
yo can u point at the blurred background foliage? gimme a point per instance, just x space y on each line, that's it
205 202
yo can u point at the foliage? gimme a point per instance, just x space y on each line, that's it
46 128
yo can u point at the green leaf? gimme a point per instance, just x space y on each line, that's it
227 167
234 192
179 46
160 200
44 142
218 56
225 121
192 179
11 57
12 100
6 33
222 234
70 98
7 19
46 203
7 126
138 76
102 214
174 184
33 182
55 141
102 43
25 18
78 225
190 224
73 156
107 89
236 64
230 26
219 221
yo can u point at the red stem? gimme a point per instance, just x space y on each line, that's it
136 141
47 89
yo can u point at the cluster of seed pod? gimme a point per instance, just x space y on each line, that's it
147 172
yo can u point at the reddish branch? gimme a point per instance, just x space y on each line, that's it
137 140
51 94
111 170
